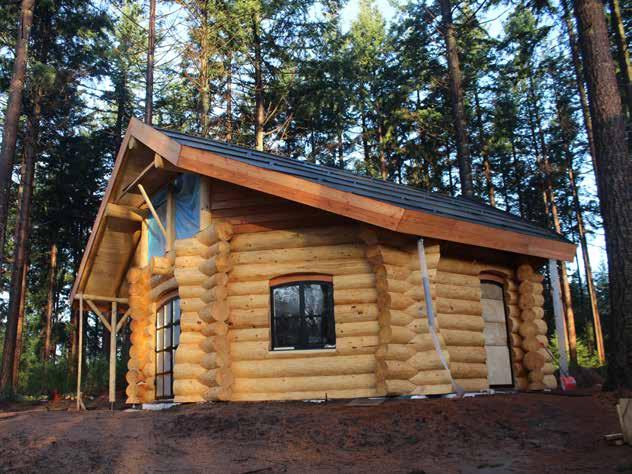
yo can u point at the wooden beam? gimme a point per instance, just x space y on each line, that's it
80 353
98 313
112 378
131 187
87 296
153 211
161 163
171 219
123 319
125 212
205 202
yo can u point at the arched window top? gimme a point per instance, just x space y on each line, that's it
302 312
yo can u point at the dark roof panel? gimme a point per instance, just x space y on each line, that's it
392 193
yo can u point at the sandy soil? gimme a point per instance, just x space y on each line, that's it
503 433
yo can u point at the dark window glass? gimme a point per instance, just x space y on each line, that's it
303 315
167 339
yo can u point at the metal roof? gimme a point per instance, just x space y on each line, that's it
401 195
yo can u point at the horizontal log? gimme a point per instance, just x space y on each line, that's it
458 292
311 395
307 254
431 377
396 301
355 296
529 287
452 306
455 337
460 267
189 247
393 272
188 261
189 354
394 369
346 313
395 387
457 279
467 370
246 335
188 387
249 301
268 271
182 371
473 385
189 276
340 365
162 265
216 329
188 292
395 317
304 384
282 239
346 282
531 344
240 288
363 328
426 360
383 254
530 301
467 354
401 352
209 361
209 378
466 322
194 338
250 318
191 305
191 322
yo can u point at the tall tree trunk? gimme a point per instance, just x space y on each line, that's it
12 115
17 357
380 147
579 80
228 98
623 56
22 234
456 99
149 77
204 81
49 302
564 125
258 66
614 176
551 206
487 169
365 141
120 90
341 150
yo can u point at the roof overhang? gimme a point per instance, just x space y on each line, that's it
171 157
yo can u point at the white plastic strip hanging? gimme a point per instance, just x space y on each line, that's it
425 280
558 311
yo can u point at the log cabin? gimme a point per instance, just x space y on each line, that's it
247 276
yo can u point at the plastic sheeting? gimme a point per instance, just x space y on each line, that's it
186 193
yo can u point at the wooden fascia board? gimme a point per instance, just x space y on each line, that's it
454 230
290 187
369 210
159 143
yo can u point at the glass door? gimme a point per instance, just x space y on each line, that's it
167 339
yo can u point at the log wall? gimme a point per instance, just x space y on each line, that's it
141 365
406 360
460 316
346 371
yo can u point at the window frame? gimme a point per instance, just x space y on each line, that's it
171 349
327 320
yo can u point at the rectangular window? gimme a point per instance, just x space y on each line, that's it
167 340
303 315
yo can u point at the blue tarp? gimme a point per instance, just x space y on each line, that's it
186 193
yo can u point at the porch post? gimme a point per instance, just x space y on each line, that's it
112 396
80 352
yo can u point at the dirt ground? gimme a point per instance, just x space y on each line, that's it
493 434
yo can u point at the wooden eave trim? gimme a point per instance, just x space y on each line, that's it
159 143
369 210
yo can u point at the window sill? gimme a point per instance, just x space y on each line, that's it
300 352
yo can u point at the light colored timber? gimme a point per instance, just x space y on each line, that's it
283 239
99 314
215 232
304 384
153 211
342 365
125 212
306 254
311 395
267 271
